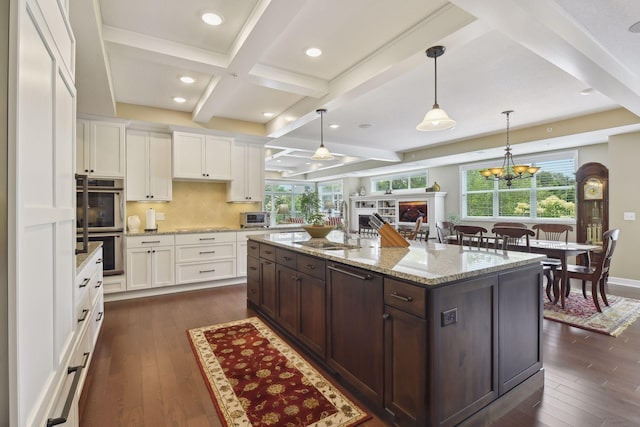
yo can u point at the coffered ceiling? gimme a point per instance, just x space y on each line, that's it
373 76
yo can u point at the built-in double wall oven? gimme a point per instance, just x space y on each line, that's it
101 214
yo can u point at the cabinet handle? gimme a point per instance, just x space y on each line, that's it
268 252
401 298
207 252
348 273
267 262
207 238
287 258
151 241
151 196
85 360
253 247
85 282
294 278
208 271
100 314
86 170
84 315
310 266
99 261
76 370
99 283
252 268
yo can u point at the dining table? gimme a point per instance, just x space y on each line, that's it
552 249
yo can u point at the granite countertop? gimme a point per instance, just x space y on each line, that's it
426 263
212 229
81 259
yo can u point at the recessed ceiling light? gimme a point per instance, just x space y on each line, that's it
334 126
587 91
313 52
179 99
635 28
211 18
267 114
188 80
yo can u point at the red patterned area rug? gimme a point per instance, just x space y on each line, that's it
255 379
582 313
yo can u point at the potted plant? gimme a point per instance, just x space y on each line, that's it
310 205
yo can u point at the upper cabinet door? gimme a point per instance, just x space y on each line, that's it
247 161
148 166
137 165
100 149
201 157
218 158
160 183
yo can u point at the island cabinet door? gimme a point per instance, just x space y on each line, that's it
464 349
268 287
405 367
355 328
312 327
520 311
287 307
253 280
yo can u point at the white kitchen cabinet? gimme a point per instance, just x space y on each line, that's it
241 251
148 166
247 168
205 257
150 261
201 157
100 148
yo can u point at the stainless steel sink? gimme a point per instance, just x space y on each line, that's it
325 245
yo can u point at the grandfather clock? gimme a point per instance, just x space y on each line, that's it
592 210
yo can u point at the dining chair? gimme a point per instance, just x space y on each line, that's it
599 274
514 236
412 234
555 232
510 224
470 234
444 229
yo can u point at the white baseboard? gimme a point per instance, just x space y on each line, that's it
620 281
119 296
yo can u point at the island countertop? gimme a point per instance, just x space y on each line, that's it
425 263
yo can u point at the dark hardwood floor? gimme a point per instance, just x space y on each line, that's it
144 373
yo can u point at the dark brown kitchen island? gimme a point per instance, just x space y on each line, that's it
435 335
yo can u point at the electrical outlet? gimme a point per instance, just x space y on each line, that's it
160 216
449 317
629 216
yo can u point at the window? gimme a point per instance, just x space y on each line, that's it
408 181
331 197
551 192
282 199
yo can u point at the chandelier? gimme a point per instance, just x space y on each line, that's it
322 153
509 171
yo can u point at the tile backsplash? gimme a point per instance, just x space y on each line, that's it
194 204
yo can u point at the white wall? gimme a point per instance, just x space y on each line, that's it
4 346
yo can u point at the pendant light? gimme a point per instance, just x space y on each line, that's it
322 153
436 118
509 171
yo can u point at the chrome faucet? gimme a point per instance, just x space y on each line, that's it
344 207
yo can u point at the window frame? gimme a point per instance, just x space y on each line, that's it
404 175
533 160
336 197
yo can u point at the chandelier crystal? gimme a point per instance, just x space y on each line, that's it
509 171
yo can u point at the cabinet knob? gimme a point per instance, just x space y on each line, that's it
386 316
151 196
91 170
86 170
147 196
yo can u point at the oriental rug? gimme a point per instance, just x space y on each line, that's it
255 379
582 313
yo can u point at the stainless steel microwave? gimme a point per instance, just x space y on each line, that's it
254 219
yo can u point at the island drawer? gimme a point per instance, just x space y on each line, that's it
268 252
405 296
285 257
314 267
253 249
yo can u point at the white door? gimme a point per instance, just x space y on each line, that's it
254 173
163 266
218 158
160 181
137 165
41 217
188 156
236 189
107 149
139 268
82 147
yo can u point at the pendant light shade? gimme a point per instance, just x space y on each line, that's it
322 153
436 118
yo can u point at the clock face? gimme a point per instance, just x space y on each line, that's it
593 189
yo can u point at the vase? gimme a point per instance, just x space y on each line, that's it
133 223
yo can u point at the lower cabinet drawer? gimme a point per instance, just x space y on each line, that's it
204 271
205 252
97 319
404 296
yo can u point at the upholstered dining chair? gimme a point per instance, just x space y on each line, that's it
510 224
555 232
599 274
470 234
444 229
